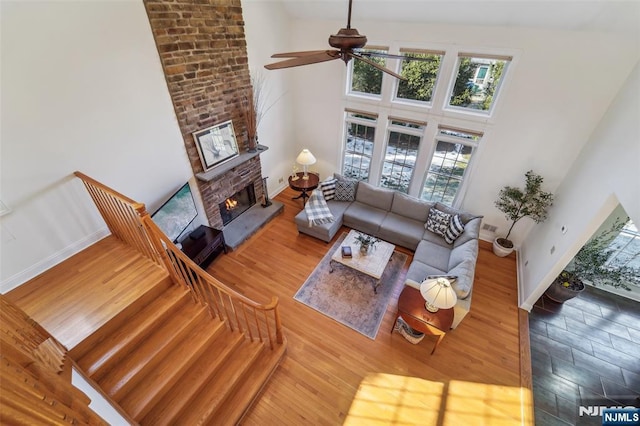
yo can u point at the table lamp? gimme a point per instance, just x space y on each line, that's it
305 158
438 294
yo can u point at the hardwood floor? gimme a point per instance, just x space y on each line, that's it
331 374
478 364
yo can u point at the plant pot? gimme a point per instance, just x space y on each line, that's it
364 249
499 248
559 292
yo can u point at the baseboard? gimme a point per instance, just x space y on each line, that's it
51 261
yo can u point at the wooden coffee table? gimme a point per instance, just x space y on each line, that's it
411 309
372 264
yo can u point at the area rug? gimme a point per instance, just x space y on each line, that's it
347 296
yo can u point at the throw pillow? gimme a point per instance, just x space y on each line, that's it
455 229
346 190
328 188
438 222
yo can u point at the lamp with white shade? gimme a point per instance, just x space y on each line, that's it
438 294
305 158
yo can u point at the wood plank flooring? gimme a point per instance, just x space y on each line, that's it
327 363
329 370
76 297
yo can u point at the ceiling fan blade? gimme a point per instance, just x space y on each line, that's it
297 54
368 54
323 56
375 65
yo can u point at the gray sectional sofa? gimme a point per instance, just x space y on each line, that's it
401 220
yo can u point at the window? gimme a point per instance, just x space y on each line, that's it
626 248
449 163
421 73
366 79
360 133
477 82
401 153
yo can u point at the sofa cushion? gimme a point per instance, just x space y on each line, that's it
401 230
459 254
326 231
418 270
328 188
471 232
465 272
363 217
410 207
380 198
454 230
438 221
345 190
434 255
466 217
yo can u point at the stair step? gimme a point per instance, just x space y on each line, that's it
112 349
139 401
246 392
151 351
89 343
221 385
195 379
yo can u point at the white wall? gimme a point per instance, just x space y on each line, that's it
82 89
555 94
267 31
605 173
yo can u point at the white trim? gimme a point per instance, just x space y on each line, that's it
51 261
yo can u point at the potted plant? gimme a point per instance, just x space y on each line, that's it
516 204
366 242
590 265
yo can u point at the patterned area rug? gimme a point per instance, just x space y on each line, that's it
347 296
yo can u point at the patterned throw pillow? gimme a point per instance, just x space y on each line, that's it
346 190
455 229
438 222
328 188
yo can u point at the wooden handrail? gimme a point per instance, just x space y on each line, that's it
34 390
122 215
256 320
129 221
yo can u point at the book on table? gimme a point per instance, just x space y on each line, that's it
346 251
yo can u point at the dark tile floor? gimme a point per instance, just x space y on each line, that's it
584 352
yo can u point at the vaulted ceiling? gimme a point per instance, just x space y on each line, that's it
601 15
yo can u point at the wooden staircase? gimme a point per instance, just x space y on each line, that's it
170 362
182 348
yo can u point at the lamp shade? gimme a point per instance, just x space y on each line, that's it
438 293
306 158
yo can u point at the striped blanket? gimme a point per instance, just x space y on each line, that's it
317 210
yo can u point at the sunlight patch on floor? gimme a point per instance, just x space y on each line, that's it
384 399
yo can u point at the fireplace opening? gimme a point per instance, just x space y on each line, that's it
237 204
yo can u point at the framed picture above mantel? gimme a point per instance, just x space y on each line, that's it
216 144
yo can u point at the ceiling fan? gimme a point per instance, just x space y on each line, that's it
346 41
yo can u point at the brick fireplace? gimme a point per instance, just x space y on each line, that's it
202 48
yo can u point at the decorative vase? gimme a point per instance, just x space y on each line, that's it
364 249
561 293
499 250
253 143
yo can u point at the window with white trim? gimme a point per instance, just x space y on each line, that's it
449 164
359 141
421 71
366 79
403 142
626 248
478 79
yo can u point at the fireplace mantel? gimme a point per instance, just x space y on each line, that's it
218 171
